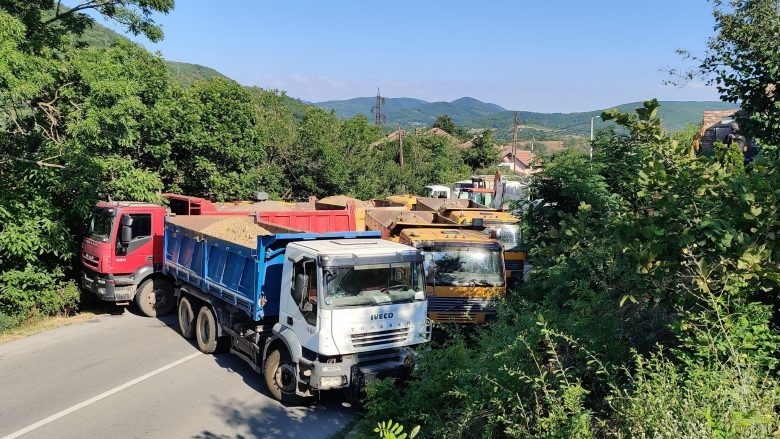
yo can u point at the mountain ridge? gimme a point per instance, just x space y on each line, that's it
475 114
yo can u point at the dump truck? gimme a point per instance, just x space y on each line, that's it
464 267
122 249
503 226
308 311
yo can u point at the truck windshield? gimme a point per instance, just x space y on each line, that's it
363 285
464 267
100 224
507 234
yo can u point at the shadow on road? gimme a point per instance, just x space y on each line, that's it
320 417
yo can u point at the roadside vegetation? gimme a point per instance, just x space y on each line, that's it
652 309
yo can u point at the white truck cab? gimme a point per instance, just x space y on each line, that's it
350 310
437 191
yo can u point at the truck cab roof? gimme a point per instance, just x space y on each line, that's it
128 205
356 247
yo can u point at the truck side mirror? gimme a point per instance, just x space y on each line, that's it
299 288
126 220
126 231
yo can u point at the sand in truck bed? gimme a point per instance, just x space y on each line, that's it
342 200
410 218
237 229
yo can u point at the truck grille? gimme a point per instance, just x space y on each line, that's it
513 265
89 260
367 339
457 304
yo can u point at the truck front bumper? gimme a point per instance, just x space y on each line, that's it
353 373
105 287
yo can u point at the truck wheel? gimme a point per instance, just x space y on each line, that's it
186 318
206 332
280 377
154 297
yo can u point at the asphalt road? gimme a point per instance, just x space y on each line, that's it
128 376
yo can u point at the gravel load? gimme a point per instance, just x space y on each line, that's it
239 230
342 200
410 218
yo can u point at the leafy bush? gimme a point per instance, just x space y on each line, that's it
7 322
677 255
698 401
31 291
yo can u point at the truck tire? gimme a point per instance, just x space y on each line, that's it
154 297
186 318
280 377
206 332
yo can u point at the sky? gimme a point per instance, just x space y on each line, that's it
547 56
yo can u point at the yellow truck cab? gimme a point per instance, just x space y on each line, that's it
501 225
464 267
504 227
464 272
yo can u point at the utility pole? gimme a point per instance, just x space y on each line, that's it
591 135
377 109
533 140
401 145
514 140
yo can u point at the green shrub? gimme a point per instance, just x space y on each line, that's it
517 378
7 322
32 291
699 401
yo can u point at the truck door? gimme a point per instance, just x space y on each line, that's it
302 314
138 251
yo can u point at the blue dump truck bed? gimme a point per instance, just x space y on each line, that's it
234 258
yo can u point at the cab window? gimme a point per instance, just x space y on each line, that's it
308 306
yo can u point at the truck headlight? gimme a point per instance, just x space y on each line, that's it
331 382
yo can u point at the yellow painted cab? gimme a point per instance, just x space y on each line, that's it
464 267
502 226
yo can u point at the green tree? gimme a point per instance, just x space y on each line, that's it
50 24
74 129
445 122
742 60
484 152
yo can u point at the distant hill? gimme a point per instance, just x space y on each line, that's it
355 106
474 114
184 73
676 115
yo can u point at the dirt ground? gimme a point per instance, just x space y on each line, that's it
240 230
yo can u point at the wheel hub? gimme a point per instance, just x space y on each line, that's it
285 377
158 298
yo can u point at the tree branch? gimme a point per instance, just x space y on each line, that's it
40 163
93 4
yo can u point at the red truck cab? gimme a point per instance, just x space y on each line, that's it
122 252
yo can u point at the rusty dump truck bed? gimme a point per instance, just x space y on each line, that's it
391 221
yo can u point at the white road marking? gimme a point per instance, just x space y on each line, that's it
97 398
